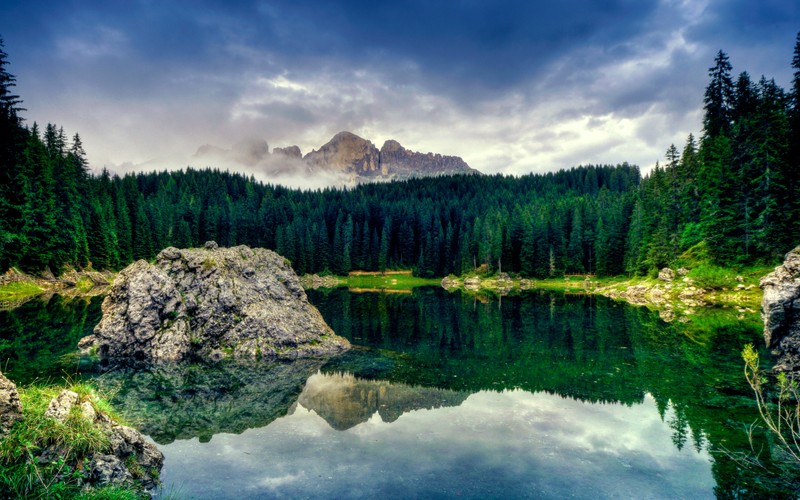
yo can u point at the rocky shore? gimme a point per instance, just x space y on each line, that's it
780 311
74 443
673 293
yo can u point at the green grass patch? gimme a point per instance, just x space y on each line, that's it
713 277
19 289
388 282
84 284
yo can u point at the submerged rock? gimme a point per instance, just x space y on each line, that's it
780 310
211 303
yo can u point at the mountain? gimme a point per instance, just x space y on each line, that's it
346 158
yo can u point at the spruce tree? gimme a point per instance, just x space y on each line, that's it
719 98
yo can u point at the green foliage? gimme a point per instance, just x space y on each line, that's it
696 255
735 190
779 408
19 289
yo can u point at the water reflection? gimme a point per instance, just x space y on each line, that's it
547 395
509 444
345 401
181 401
38 335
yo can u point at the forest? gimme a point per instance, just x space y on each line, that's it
731 195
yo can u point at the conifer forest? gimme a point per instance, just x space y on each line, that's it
731 192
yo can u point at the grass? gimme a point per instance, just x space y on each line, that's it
19 289
391 280
24 473
84 284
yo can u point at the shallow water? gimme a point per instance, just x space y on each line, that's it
444 395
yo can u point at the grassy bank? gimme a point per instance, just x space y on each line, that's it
679 289
42 457
19 289
390 280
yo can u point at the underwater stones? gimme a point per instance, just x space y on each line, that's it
199 303
780 311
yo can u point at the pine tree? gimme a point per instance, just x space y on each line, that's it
772 170
38 212
719 98
575 248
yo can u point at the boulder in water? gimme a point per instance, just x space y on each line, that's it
210 303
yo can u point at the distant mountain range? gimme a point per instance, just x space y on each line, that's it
346 157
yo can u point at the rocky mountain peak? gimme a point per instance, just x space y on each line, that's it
345 157
348 153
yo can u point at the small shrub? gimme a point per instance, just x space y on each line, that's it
780 414
709 276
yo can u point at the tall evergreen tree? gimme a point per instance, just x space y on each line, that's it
719 98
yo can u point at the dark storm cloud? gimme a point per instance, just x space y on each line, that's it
456 46
511 86
486 45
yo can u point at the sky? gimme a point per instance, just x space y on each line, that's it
510 86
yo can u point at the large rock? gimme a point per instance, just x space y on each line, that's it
10 405
211 303
780 310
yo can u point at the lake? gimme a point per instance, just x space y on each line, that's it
541 395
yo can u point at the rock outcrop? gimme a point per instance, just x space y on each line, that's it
780 310
400 162
10 405
290 151
210 303
349 153
346 157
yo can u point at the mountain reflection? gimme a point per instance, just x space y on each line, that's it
345 401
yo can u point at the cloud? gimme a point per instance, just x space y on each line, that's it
510 444
509 86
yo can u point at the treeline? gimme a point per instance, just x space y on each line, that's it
734 194
738 190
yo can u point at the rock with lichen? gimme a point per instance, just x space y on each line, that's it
210 303
780 310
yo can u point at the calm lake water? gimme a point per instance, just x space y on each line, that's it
444 395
